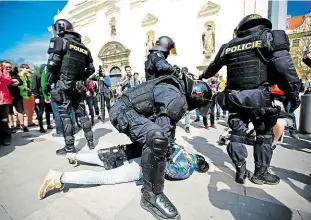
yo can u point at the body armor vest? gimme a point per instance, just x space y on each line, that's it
74 63
142 100
150 71
245 67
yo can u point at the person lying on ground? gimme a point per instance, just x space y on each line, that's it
179 166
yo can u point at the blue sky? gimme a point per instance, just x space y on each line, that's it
295 8
24 36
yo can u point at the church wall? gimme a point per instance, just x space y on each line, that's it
176 18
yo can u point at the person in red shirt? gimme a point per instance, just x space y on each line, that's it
5 101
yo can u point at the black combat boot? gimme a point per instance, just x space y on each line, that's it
112 157
90 144
158 205
262 176
153 163
67 149
241 172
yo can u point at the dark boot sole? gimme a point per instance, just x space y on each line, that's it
242 181
262 182
154 211
63 153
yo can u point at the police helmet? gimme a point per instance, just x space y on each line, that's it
166 45
251 21
61 26
200 96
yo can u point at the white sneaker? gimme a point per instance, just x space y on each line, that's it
51 181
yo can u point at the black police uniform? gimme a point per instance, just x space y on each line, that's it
147 114
156 64
70 64
256 58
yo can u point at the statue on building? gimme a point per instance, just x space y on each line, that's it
208 39
149 43
113 27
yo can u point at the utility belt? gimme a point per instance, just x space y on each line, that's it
255 102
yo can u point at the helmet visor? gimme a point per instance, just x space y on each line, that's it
173 51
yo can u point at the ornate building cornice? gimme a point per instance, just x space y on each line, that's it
148 20
85 12
208 9
136 3
112 9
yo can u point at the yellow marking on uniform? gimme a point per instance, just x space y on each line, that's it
243 47
79 49
255 16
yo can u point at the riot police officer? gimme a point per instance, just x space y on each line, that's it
256 58
147 114
156 64
70 63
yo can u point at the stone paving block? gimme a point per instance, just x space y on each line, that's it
105 201
61 209
281 212
251 207
305 215
4 215
21 201
283 193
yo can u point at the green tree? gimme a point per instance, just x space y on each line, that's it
36 70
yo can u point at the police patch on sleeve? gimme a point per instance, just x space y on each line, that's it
244 47
52 44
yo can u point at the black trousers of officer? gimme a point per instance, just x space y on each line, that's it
143 132
74 100
238 122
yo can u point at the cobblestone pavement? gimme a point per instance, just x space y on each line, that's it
214 195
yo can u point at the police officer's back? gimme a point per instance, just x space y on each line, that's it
256 58
156 64
70 63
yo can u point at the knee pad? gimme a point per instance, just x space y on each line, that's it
86 124
157 142
67 125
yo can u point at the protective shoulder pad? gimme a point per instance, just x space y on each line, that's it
280 40
56 45
156 56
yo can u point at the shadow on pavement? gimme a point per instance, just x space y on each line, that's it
289 175
97 134
298 145
241 207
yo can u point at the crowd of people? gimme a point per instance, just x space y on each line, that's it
23 94
148 111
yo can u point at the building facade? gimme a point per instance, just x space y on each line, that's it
278 14
120 32
299 32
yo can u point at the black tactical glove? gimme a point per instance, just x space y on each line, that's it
177 68
294 103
